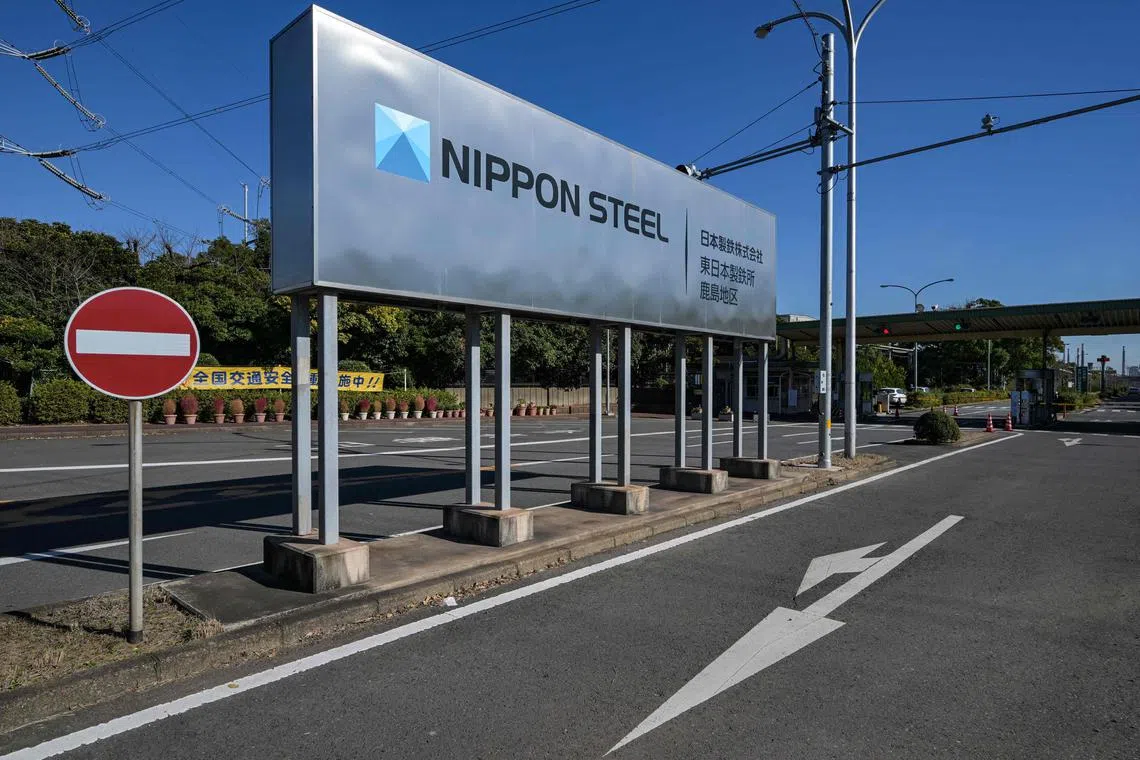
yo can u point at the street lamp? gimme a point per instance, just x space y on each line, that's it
851 34
915 294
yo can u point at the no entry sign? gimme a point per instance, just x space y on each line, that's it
132 343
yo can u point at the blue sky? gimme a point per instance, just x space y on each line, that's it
1040 215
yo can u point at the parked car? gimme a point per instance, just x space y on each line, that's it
922 389
964 389
893 396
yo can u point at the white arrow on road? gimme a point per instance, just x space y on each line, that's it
850 561
1069 441
784 631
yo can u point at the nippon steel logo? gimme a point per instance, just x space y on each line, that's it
403 144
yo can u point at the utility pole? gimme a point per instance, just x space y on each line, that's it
989 349
245 213
827 181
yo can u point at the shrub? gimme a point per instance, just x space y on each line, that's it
237 406
389 404
189 405
431 404
10 412
937 427
208 360
169 407
57 401
279 406
363 405
341 404
403 406
352 365
219 405
107 409
418 403
260 404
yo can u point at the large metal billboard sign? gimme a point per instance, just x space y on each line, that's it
397 177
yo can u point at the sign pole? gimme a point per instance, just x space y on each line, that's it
135 526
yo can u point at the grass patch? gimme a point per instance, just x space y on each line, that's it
50 642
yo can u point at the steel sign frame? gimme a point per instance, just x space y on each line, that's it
398 178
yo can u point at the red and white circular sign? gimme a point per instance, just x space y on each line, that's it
132 343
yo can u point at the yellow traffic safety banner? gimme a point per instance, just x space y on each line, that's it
271 378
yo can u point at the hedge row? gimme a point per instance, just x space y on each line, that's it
64 401
921 400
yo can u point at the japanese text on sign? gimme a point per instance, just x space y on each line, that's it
219 378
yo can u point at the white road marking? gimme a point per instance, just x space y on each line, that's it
850 561
50 553
808 443
1069 441
782 633
125 723
424 439
129 343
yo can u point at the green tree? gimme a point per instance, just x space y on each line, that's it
886 373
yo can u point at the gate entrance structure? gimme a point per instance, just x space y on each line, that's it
400 180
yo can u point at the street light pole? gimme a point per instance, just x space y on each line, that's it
915 294
826 180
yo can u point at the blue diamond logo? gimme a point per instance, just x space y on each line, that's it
403 144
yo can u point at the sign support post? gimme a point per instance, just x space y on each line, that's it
625 406
595 403
738 397
762 433
679 376
473 396
707 422
302 429
328 431
503 402
134 521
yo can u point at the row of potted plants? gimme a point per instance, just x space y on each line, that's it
234 409
530 409
392 407
725 414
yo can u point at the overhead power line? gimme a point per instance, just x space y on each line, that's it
81 24
511 23
894 101
122 23
760 118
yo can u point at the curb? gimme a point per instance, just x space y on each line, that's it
284 631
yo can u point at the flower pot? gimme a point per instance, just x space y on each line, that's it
724 418
219 418
403 415
519 411
259 416
279 416
696 415
344 416
190 418
531 411
390 415
462 413
554 410
239 418
171 419
418 413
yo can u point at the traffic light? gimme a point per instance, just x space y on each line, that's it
884 330
960 326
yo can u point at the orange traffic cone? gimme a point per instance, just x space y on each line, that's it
1008 423
989 423
955 410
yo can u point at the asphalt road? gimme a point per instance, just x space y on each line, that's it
211 496
990 609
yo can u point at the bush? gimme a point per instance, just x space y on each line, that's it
418 403
237 406
389 404
431 404
260 404
189 405
219 405
107 409
208 360
279 405
59 401
937 427
169 407
10 412
352 365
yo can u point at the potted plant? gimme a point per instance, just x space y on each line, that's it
531 409
432 407
170 411
219 410
278 410
725 414
403 407
362 407
237 410
377 409
554 410
461 411
390 408
418 406
260 404
342 406
697 413
189 405
520 410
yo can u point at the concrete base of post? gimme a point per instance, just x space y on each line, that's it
693 480
486 525
303 563
610 497
746 467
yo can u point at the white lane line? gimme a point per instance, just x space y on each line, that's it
49 553
190 702
263 460
807 443
130 343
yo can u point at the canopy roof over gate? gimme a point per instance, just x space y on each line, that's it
1079 318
